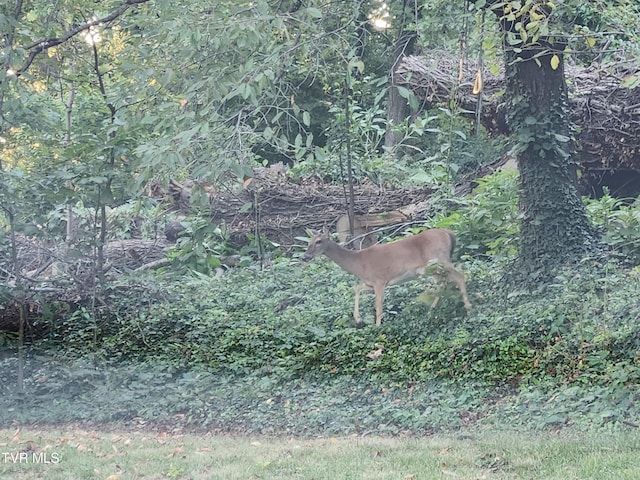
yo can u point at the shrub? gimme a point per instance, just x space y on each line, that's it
620 224
294 321
486 223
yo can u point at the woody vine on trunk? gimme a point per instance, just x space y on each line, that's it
555 229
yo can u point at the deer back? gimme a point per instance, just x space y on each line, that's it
404 259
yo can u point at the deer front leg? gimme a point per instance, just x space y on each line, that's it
379 292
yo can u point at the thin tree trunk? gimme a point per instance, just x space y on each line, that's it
397 105
70 227
19 297
347 120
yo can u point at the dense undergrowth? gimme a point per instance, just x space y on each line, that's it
295 319
276 350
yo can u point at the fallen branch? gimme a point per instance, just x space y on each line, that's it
163 262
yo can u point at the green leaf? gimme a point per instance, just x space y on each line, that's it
314 12
106 196
167 78
631 81
404 92
357 64
461 134
488 44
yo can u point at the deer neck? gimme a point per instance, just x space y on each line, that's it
349 260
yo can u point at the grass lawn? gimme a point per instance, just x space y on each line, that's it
120 454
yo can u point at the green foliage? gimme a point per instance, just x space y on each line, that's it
250 321
602 30
365 128
434 149
441 141
486 222
282 340
620 224
208 88
199 246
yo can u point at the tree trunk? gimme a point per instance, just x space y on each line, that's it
397 106
555 229
404 45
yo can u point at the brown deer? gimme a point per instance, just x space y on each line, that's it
391 263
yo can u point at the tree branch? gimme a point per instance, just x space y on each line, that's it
42 45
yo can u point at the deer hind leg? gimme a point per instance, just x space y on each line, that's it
457 277
356 307
435 301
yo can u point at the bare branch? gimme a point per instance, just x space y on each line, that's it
42 45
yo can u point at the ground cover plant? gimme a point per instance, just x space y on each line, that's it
275 350
218 353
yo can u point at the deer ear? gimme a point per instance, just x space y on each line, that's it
325 231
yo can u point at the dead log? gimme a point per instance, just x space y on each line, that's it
605 112
281 210
365 226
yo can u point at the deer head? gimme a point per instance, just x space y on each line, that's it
317 245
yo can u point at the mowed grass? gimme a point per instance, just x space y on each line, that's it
76 454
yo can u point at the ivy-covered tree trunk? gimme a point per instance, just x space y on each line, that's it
555 229
554 226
